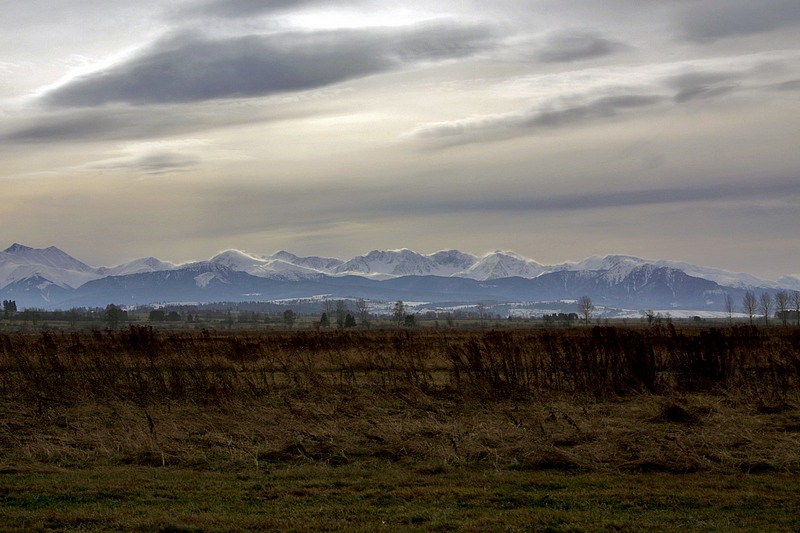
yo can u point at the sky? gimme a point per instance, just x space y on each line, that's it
558 129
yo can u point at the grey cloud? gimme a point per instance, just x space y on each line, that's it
74 127
576 46
157 162
127 123
190 68
766 188
711 21
790 85
690 84
606 106
552 115
234 9
697 85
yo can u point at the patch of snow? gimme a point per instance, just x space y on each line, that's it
204 279
790 282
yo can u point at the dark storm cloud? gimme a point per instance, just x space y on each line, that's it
576 46
191 68
552 115
710 21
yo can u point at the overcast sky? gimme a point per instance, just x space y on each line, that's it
558 129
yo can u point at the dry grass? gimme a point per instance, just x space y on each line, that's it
586 400
642 433
566 430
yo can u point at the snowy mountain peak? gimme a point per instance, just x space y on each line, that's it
319 264
17 248
457 259
283 255
19 262
503 264
506 253
383 264
237 259
137 266
51 256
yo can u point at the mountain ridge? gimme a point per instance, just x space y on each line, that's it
52 278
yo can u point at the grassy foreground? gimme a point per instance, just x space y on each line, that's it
146 431
372 497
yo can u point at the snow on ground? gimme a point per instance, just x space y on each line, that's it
679 313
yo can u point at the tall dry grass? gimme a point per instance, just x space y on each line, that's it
660 399
150 367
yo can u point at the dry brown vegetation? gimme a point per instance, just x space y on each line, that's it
580 400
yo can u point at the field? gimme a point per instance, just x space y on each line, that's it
561 429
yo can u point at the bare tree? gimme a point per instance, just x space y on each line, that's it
765 306
481 309
341 313
782 306
796 305
399 313
729 307
586 308
749 305
289 318
363 312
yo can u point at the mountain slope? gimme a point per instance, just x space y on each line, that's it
35 292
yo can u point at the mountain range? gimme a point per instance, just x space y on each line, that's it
52 279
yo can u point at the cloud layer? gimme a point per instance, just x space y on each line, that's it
559 129
191 68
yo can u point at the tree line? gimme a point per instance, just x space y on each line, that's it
785 305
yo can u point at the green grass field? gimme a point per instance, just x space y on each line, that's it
371 496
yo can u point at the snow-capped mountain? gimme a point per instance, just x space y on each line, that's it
453 259
137 266
503 265
619 264
790 282
319 264
262 267
622 265
51 278
18 263
385 264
